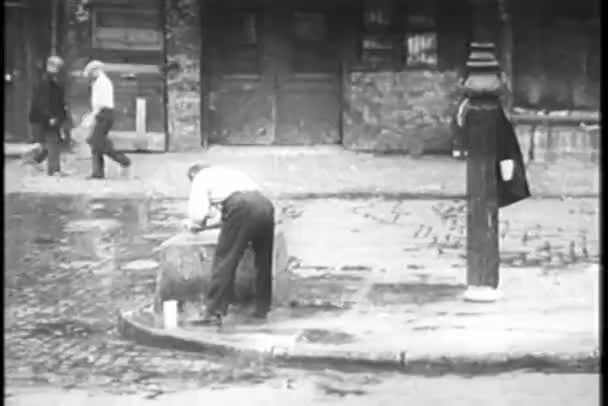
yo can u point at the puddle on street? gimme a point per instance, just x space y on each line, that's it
63 273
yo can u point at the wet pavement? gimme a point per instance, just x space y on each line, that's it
72 262
328 389
61 297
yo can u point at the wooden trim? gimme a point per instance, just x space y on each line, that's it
572 119
16 4
204 75
506 47
126 10
30 71
165 97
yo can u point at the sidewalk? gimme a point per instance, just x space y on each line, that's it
375 282
298 172
545 321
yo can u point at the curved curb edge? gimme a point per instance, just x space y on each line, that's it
318 357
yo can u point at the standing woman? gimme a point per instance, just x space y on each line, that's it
511 179
101 118
48 113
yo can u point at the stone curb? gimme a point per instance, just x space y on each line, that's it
323 357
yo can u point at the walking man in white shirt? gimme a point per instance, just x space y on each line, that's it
102 113
231 200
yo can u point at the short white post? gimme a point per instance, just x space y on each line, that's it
170 314
140 123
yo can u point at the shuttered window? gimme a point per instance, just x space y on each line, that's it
399 35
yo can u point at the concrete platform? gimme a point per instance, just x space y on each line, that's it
545 321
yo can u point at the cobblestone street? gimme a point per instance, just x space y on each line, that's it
61 300
60 324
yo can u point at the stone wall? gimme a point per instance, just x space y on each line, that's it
547 144
400 111
77 52
183 39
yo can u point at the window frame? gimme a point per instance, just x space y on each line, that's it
397 33
126 11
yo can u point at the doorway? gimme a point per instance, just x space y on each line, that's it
273 73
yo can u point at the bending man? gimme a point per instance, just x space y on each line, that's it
231 200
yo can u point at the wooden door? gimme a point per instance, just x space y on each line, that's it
129 40
240 100
273 72
308 85
15 75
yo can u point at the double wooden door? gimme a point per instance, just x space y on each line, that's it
272 73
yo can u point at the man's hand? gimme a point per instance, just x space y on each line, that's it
192 226
52 122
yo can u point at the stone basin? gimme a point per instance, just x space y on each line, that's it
185 270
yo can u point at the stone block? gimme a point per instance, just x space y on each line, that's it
186 265
182 49
399 111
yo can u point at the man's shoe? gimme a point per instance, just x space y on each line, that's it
94 177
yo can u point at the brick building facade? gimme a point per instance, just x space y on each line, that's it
369 75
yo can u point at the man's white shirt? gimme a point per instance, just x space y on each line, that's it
102 93
210 187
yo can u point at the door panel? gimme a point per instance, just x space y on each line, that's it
274 75
308 111
15 75
129 40
309 92
240 102
125 93
243 111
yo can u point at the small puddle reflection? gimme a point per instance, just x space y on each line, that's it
59 247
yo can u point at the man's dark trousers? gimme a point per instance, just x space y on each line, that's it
50 140
247 217
101 145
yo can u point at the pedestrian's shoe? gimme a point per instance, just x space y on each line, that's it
32 163
125 171
94 177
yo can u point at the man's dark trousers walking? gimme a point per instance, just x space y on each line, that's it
48 114
101 145
247 217
50 139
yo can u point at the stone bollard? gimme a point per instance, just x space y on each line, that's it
185 270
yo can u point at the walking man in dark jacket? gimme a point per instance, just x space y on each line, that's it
48 113
101 118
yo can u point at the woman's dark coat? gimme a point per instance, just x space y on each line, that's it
516 189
